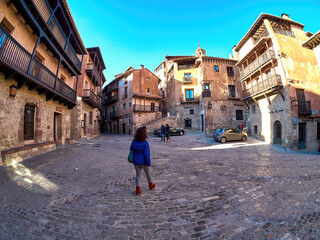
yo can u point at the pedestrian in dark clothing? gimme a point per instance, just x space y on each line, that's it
163 129
167 129
141 157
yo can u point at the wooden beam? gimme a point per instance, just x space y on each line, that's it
268 98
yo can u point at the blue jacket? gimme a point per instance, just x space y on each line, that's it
141 152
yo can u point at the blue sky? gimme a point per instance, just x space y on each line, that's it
134 32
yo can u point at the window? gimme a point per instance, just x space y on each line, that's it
187 123
230 71
318 130
125 92
191 111
255 129
148 79
63 78
189 95
29 122
91 118
7 25
216 68
124 107
148 90
129 104
239 114
232 91
206 86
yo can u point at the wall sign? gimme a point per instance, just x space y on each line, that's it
59 109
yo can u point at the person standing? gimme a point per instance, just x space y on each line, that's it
163 129
167 129
141 157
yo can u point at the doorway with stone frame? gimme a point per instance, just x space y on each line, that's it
277 133
57 128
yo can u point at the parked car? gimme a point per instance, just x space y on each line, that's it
172 132
229 134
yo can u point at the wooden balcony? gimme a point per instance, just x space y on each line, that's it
263 87
44 10
189 100
263 59
114 115
189 80
111 99
92 70
91 99
145 108
17 62
304 108
206 94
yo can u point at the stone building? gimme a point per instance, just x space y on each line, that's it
86 116
280 80
39 69
132 100
203 92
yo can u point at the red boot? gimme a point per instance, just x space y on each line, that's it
138 191
152 186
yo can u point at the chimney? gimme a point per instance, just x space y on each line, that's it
142 67
285 16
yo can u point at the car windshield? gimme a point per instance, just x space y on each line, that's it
220 130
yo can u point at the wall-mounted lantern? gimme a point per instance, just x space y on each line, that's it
13 90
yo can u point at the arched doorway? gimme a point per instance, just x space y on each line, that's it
277 133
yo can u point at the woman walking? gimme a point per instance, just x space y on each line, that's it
141 157
167 130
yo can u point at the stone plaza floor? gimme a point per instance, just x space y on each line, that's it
205 190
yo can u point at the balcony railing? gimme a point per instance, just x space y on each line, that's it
262 86
206 94
262 35
45 12
91 98
185 66
284 32
145 108
186 100
92 69
114 114
111 99
304 108
111 88
264 57
189 80
19 59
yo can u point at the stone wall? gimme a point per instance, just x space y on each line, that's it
173 121
81 127
12 116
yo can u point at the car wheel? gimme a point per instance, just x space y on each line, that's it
181 133
223 140
243 138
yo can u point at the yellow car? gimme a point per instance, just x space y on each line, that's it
229 134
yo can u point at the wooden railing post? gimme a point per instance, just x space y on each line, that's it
67 42
52 14
33 54
55 82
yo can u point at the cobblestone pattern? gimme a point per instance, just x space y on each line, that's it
205 190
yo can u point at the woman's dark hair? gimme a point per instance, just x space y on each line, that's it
141 134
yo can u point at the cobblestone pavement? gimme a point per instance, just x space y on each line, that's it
205 190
